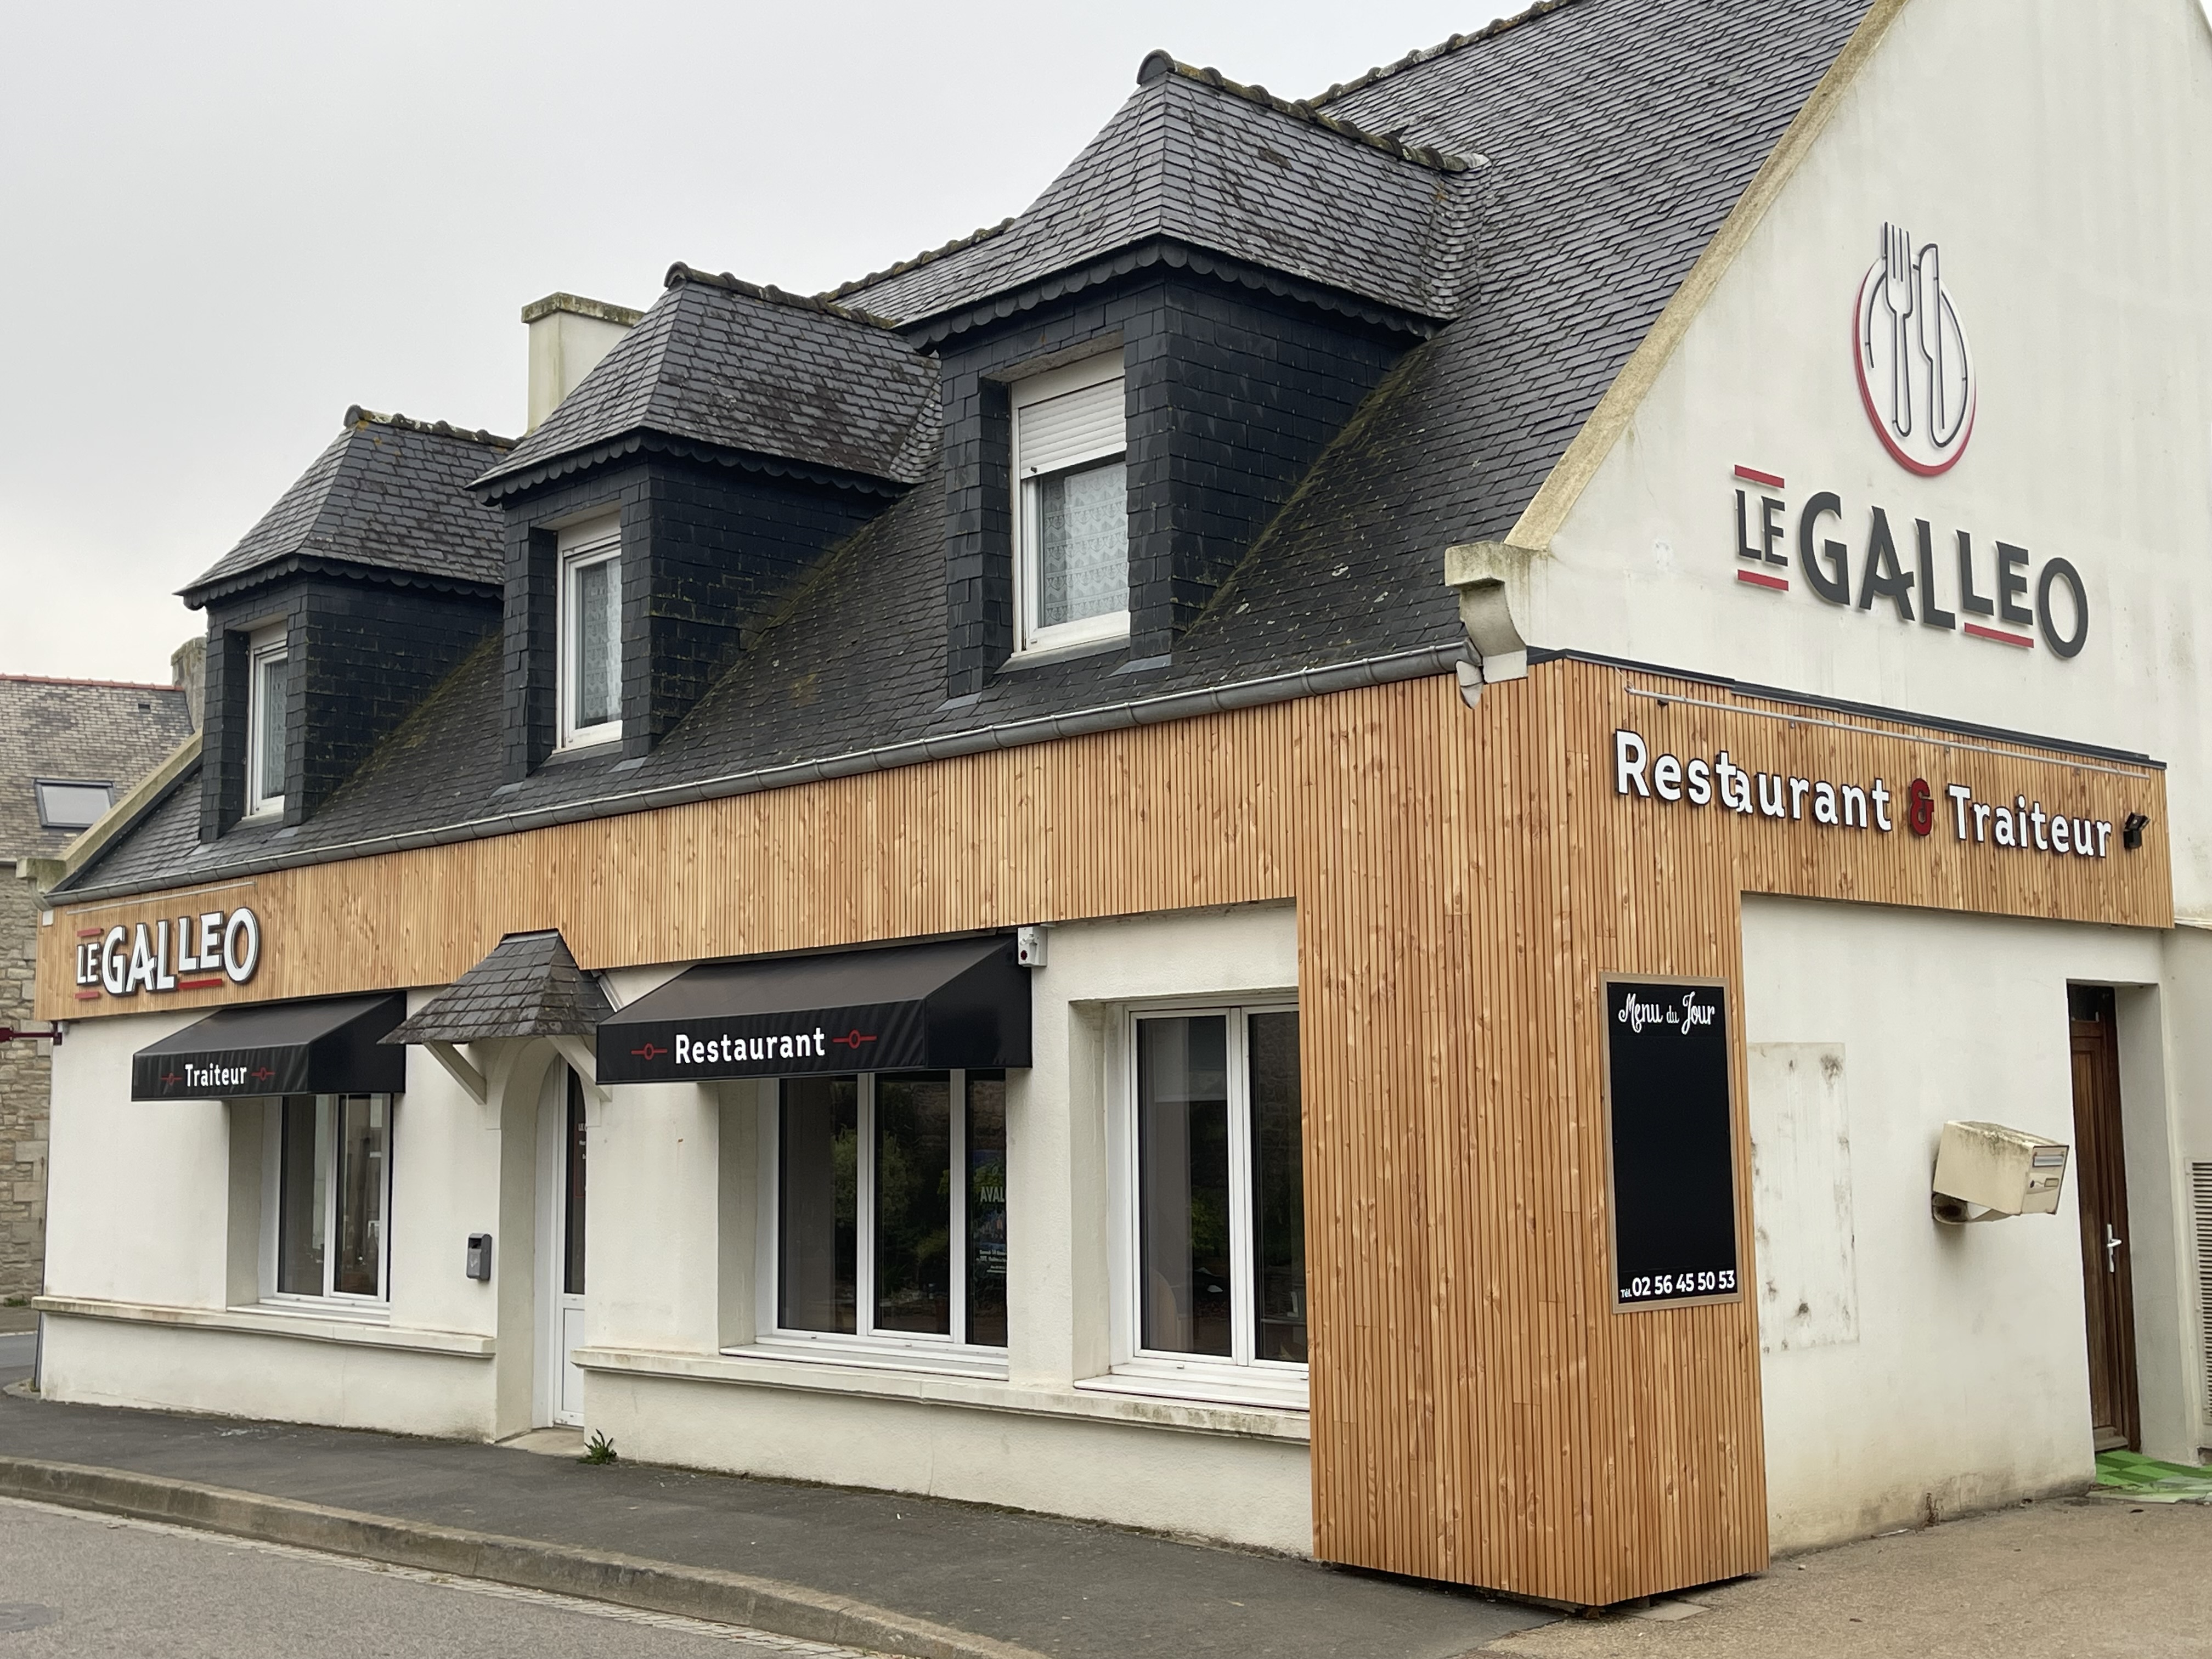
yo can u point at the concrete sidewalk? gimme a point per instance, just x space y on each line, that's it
905 1575
2069 1578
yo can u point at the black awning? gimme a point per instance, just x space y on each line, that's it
959 1003
323 1047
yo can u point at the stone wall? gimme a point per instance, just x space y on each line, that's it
24 1091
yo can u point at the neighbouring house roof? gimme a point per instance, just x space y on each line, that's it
387 496
1615 137
720 362
80 731
528 986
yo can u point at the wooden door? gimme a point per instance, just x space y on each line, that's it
2101 1191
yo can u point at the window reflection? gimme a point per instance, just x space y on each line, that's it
913 1204
1279 1197
987 1208
818 1204
1182 1141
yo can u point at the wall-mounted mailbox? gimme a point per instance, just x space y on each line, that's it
1996 1171
480 1256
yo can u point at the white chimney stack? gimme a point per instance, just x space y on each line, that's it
568 335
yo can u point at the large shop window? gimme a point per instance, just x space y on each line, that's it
590 672
891 1210
1072 505
332 1176
267 655
1218 1194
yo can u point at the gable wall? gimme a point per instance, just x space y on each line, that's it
2058 154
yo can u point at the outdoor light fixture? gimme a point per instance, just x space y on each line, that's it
2131 831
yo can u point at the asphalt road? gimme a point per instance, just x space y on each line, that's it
76 1586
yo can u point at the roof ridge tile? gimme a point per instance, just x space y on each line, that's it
928 256
356 416
1421 55
1310 113
679 274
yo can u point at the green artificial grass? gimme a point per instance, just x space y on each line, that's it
2147 1481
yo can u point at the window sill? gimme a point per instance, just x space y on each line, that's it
1265 1387
1045 655
922 1358
312 1323
1081 1403
584 748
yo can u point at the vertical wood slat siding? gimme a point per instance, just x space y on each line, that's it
1462 878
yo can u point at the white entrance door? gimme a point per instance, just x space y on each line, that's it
564 1141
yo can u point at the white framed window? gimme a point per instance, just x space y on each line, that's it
327 1197
884 1204
1210 1192
266 721
589 677
1071 507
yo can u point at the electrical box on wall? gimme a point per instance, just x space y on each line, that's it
1997 1170
480 1256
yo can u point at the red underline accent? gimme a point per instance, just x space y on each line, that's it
1760 579
86 996
90 933
198 984
2003 638
1752 475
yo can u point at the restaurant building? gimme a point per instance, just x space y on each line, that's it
1307 848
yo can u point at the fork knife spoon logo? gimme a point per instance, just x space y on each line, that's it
1915 371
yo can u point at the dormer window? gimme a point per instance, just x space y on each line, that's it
1071 507
267 658
590 633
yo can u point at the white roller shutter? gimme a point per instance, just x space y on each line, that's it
1087 424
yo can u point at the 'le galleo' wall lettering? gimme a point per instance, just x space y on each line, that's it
192 954
1923 579
1865 807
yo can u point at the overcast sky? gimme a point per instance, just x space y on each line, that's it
222 224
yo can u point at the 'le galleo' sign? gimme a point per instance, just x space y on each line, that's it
1855 808
191 954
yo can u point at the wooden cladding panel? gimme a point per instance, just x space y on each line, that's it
1462 878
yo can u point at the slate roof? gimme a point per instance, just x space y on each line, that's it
389 494
77 731
719 361
528 986
1616 135
1619 134
1199 159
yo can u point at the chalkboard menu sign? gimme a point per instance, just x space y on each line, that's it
1673 1156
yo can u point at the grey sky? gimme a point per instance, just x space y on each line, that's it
224 223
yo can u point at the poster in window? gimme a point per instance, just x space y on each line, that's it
1672 1143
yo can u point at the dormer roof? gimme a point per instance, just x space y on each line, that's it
388 497
718 363
1193 158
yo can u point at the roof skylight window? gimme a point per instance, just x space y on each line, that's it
72 805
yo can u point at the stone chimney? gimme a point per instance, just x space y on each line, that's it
568 335
188 673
